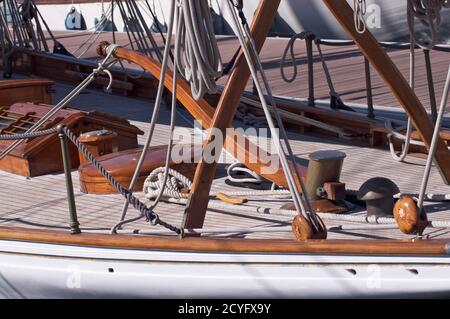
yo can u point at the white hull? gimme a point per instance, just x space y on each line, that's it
33 270
387 18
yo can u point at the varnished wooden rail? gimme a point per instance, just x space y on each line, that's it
194 215
395 80
232 245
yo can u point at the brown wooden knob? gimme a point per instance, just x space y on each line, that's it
408 216
303 230
101 49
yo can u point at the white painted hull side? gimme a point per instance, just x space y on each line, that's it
386 18
34 270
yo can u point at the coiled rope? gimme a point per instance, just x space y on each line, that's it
172 185
198 55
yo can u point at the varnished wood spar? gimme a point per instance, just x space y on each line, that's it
395 80
202 111
194 215
234 245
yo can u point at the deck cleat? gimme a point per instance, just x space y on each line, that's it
378 193
409 218
304 229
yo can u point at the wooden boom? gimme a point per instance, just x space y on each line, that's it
238 145
395 80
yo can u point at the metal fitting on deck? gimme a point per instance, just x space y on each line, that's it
324 166
378 193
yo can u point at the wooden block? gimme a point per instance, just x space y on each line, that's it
334 190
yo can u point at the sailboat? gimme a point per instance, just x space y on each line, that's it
79 220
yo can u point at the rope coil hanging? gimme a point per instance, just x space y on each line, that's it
199 58
360 9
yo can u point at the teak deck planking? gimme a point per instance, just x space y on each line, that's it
41 202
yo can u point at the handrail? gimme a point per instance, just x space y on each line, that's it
430 247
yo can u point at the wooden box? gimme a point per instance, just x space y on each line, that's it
42 155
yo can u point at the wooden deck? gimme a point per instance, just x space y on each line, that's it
41 202
346 65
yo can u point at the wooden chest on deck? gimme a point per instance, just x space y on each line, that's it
42 155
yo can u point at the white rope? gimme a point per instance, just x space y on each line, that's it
362 218
250 176
278 133
173 186
155 114
409 127
177 182
360 9
199 56
427 197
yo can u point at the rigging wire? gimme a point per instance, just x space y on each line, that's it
154 118
251 54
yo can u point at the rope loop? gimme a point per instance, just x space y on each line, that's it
24 136
293 61
360 9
